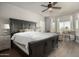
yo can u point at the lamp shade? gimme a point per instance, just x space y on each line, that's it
50 9
6 26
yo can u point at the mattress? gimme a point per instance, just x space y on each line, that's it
25 37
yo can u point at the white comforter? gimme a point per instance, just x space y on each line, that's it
25 37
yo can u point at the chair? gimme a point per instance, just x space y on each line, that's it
72 34
66 35
69 35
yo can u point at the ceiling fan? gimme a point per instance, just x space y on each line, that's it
50 6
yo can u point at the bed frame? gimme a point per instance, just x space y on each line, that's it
17 24
38 48
43 47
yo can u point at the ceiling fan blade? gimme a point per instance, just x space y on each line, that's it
54 3
45 10
44 5
56 7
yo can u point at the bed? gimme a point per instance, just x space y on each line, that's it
31 43
35 43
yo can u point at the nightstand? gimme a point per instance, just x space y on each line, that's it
5 42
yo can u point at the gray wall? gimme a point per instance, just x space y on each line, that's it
47 24
9 11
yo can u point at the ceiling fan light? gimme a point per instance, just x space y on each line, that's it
50 9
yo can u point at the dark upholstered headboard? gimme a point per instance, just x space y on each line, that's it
17 24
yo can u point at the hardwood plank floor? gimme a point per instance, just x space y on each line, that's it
66 49
10 53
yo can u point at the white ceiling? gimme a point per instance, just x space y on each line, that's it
67 7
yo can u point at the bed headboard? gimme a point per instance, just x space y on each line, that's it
17 24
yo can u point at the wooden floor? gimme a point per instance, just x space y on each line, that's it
10 53
65 49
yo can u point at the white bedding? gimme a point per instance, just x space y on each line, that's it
22 47
25 37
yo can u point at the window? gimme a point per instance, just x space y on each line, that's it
70 22
77 22
64 25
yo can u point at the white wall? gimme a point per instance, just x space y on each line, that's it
9 11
